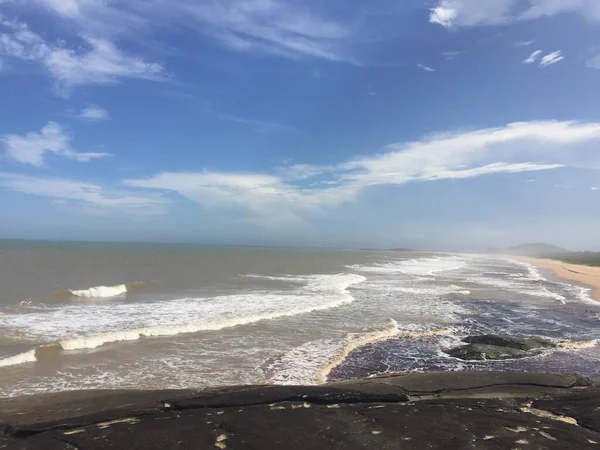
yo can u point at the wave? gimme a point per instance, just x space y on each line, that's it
356 342
268 307
584 294
416 332
530 283
100 291
418 267
21 358
439 290
312 362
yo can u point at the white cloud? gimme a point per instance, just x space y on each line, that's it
302 189
524 43
452 54
457 13
594 188
94 113
425 68
590 9
593 62
533 57
551 58
82 193
33 147
276 27
268 26
95 61
467 13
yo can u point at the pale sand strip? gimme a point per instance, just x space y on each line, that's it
587 275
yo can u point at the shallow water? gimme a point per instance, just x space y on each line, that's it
199 316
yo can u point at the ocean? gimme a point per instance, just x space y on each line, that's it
151 316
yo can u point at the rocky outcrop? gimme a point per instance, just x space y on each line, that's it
483 410
495 347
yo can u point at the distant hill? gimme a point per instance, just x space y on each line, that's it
535 249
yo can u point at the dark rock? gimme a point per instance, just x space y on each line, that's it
477 352
494 347
525 344
451 410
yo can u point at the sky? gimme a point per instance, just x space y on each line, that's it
433 124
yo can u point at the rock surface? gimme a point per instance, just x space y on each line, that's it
495 347
450 410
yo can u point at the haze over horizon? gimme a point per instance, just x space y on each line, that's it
428 124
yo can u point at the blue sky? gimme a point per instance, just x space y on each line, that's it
434 124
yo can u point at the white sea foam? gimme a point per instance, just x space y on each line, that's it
437 290
418 267
530 283
578 345
312 362
96 324
100 291
584 294
21 358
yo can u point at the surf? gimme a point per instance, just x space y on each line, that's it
100 291
320 293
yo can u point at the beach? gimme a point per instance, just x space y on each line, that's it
590 276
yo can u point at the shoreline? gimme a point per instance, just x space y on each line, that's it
587 275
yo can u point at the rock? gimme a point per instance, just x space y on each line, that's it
449 410
477 352
494 347
510 342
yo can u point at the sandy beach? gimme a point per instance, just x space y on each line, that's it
587 275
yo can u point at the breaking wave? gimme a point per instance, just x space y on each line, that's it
419 267
312 362
324 292
100 291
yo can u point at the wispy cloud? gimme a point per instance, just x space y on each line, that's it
457 13
88 61
590 9
259 125
273 27
551 58
533 57
94 113
300 190
33 147
593 62
425 68
524 43
83 194
468 13
451 55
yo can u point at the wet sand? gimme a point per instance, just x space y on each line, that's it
587 275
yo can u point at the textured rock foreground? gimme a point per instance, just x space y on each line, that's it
451 410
